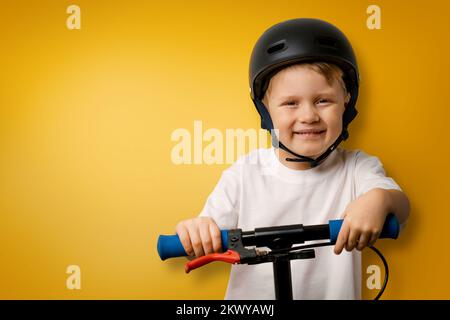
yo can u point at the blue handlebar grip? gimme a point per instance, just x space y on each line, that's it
391 228
171 247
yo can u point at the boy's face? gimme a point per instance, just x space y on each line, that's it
301 99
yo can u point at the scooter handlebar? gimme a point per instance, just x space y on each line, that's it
391 228
169 246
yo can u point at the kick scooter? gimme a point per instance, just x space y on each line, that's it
280 241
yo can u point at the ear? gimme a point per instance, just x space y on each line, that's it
347 99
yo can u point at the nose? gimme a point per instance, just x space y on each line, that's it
307 113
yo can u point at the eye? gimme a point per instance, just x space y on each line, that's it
290 103
324 101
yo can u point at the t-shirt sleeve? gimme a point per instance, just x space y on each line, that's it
370 174
223 203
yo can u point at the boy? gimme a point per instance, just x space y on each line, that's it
304 83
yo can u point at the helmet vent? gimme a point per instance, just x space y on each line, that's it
326 42
276 47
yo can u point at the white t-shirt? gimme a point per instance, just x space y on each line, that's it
259 191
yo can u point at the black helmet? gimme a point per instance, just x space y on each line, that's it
295 41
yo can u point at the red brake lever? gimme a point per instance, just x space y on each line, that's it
229 256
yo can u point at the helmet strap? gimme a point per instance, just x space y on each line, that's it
322 157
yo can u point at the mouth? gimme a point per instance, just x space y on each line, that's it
310 134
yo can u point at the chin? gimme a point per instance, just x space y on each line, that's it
311 151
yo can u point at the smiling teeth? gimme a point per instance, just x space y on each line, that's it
317 132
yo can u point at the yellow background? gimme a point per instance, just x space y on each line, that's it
86 117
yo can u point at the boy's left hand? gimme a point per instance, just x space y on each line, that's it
363 221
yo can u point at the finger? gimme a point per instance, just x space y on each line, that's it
352 239
373 239
216 237
363 241
196 241
342 238
185 240
206 238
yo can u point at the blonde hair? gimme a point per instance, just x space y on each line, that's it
330 71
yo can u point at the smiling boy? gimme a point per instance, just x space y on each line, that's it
304 83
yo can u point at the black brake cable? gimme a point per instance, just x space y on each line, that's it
323 244
386 272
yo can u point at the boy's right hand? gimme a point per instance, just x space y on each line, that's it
199 236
